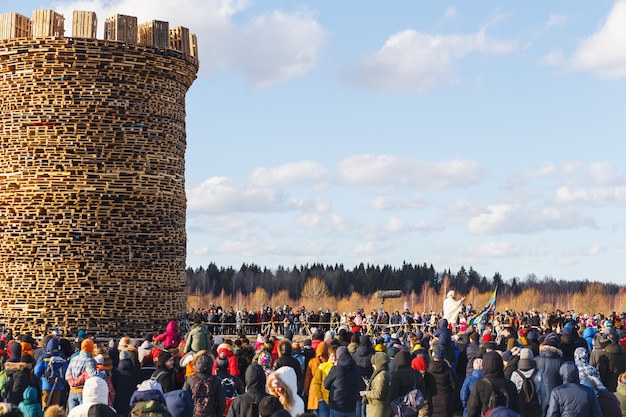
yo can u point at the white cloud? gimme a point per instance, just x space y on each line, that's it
268 49
599 196
413 62
308 220
505 218
386 203
219 194
587 251
395 225
555 19
495 250
288 174
604 52
546 170
554 58
602 173
277 46
462 208
372 170
623 249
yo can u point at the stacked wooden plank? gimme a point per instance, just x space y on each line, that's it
47 23
92 185
122 28
155 33
179 39
193 45
84 24
14 25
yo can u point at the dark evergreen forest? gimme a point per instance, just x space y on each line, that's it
367 279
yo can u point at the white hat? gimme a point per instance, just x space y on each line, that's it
451 293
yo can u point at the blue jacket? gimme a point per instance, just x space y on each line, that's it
52 350
572 399
468 384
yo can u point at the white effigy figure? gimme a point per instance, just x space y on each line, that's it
452 308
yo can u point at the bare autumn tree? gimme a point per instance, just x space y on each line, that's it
315 291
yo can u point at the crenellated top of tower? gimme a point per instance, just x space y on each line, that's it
122 28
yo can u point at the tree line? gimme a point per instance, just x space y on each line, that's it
366 280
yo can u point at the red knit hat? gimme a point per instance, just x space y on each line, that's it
487 337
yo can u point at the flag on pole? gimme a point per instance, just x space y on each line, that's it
489 308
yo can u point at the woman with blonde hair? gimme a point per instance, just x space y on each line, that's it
283 384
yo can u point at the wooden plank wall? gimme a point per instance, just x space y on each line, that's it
14 25
122 28
47 23
179 39
92 185
155 33
84 24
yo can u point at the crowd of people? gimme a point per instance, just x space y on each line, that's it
378 364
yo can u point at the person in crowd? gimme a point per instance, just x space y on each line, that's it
376 394
247 404
614 364
270 406
164 373
442 401
527 369
95 391
283 383
549 361
148 400
55 410
621 392
321 356
286 359
469 382
125 379
50 370
572 399
362 358
404 378
206 390
419 364
171 338
340 381
30 406
233 386
492 381
570 341
80 367
179 403
317 385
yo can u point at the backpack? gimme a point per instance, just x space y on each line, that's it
529 396
6 384
203 396
230 390
54 369
407 405
253 410
301 360
497 397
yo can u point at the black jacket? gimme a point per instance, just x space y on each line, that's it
255 392
125 379
404 378
340 381
493 371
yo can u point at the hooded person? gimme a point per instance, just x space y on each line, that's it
321 356
233 363
285 358
445 384
171 338
376 394
95 391
50 371
362 357
29 406
403 377
527 369
572 399
340 381
125 379
283 383
148 399
492 381
179 403
248 403
200 384
550 360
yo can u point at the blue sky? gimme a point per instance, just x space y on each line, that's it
483 134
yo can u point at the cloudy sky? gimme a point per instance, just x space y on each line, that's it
484 134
